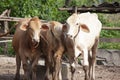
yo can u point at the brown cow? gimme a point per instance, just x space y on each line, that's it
25 43
52 48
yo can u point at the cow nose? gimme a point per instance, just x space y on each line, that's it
34 40
70 36
35 43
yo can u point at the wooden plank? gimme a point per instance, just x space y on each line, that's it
107 40
4 41
7 37
9 20
110 40
4 13
14 19
111 28
93 9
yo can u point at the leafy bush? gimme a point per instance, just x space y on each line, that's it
10 51
1 50
48 10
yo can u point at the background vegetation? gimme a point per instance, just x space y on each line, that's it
48 10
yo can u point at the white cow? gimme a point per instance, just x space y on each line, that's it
84 30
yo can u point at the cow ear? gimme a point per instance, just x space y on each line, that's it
65 28
24 27
84 28
44 27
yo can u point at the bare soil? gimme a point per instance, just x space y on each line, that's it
7 71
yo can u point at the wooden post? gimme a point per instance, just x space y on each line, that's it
74 9
6 29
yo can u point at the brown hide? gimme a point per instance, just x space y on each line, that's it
25 49
52 48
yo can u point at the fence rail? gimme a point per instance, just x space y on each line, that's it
110 40
93 9
5 17
111 28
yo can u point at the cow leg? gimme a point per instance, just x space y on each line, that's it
60 74
57 67
26 68
72 67
57 61
47 70
18 64
90 63
48 64
93 62
34 67
85 64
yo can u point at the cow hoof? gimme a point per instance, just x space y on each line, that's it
17 77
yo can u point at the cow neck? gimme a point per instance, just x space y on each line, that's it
76 34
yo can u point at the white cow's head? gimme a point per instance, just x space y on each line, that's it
74 26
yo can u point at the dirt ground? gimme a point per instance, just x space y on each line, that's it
7 71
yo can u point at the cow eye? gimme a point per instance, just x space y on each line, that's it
76 23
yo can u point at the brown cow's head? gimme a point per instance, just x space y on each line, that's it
56 27
32 26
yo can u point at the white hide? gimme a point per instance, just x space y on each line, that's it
84 40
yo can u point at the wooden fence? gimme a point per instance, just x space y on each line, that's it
4 17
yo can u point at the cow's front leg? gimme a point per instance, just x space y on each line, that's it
18 64
26 68
34 67
72 67
86 64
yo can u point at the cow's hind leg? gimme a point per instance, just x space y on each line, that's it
72 68
57 61
49 67
18 64
93 61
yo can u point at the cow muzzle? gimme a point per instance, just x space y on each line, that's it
70 36
35 43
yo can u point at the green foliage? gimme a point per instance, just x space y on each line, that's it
110 34
45 9
48 10
110 20
10 51
1 50
109 46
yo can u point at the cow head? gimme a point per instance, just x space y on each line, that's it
74 26
55 27
32 26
